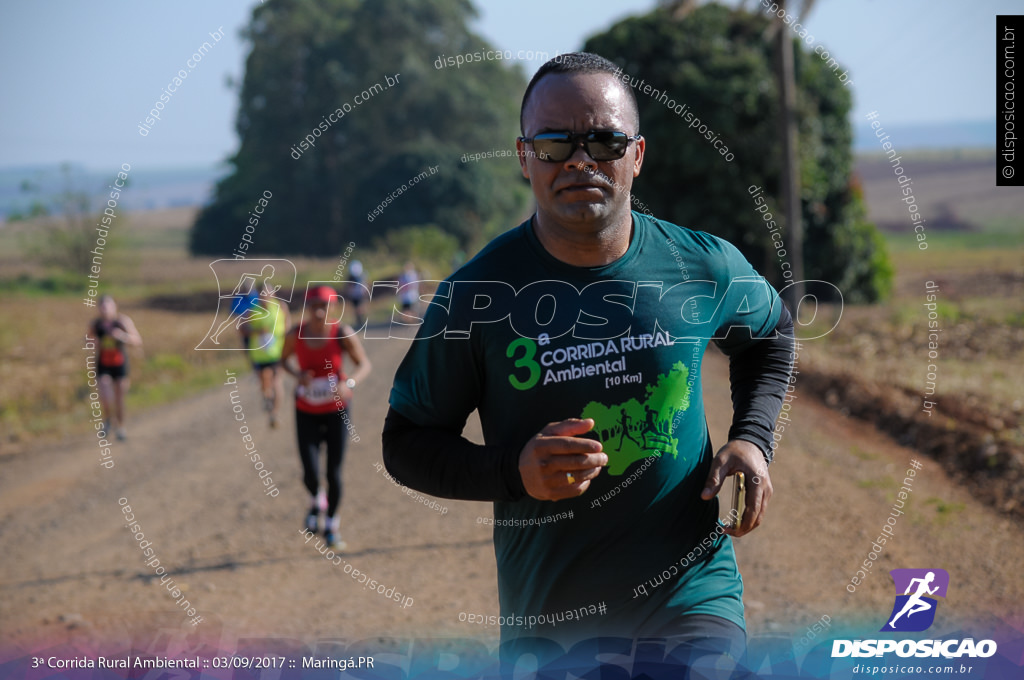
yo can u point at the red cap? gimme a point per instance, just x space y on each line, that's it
321 294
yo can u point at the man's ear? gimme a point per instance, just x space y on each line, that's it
638 159
521 152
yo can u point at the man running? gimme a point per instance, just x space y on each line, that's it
356 291
322 400
110 333
625 434
584 326
263 337
409 288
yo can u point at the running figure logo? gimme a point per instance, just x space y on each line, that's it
273 279
914 610
634 430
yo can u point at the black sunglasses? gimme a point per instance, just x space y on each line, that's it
601 145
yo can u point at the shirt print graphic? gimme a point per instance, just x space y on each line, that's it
633 430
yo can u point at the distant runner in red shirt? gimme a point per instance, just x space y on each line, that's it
110 333
322 400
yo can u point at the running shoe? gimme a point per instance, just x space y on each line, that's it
332 536
311 521
273 421
334 541
121 434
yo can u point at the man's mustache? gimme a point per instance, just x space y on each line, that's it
585 177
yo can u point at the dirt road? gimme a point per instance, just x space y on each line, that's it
73 572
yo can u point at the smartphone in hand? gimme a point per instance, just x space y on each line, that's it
732 514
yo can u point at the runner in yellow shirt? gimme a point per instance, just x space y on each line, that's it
264 339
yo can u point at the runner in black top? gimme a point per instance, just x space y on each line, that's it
110 333
603 318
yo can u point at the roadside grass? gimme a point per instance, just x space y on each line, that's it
978 316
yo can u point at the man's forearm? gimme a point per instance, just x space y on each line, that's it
446 464
759 377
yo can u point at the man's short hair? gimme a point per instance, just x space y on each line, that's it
581 62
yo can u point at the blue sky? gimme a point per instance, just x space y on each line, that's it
80 76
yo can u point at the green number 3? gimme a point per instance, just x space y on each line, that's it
526 361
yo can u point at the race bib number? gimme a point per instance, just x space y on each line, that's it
318 392
264 340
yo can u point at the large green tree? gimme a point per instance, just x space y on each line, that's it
718 62
311 57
